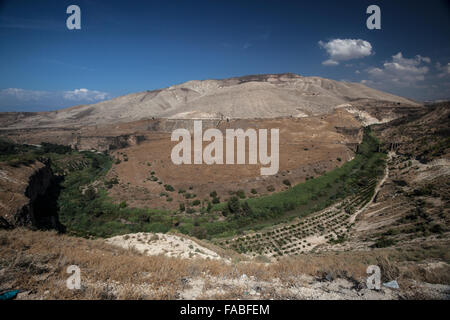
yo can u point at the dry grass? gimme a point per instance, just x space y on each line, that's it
36 262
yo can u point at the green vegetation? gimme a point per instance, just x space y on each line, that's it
100 216
310 196
383 243
88 211
241 194
169 188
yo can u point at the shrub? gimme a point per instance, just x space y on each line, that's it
240 194
55 148
437 228
199 232
143 218
196 202
383 243
188 195
216 200
90 194
287 182
123 205
109 183
234 204
169 188
253 191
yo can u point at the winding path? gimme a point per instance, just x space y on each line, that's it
377 188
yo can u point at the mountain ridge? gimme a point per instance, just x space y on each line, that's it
246 97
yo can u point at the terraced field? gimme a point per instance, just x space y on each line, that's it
331 225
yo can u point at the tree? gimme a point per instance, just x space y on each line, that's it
246 209
95 163
234 204
90 193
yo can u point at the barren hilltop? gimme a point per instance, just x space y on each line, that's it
247 97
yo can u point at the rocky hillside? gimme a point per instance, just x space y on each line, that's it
27 196
257 96
36 262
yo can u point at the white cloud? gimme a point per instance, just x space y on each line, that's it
345 49
400 71
85 94
411 77
22 98
330 62
74 95
22 94
444 70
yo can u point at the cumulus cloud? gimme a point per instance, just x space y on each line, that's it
345 49
16 98
85 94
413 77
444 70
401 71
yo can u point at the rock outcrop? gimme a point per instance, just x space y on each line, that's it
28 196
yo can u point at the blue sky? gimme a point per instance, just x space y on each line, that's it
131 46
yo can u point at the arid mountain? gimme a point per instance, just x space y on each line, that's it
363 180
255 96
